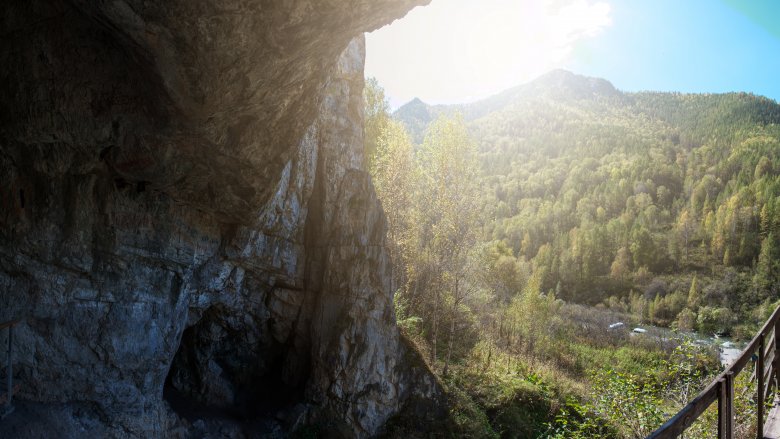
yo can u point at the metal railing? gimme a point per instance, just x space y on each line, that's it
763 350
8 398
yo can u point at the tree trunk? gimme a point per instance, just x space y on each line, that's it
508 347
490 344
449 345
452 329
435 330
413 295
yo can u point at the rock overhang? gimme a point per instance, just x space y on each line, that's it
195 165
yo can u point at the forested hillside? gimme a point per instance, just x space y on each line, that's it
523 225
624 198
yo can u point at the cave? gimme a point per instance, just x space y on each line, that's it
219 369
184 184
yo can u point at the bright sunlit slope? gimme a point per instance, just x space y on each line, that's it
568 159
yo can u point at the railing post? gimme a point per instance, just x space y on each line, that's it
726 407
730 405
776 358
760 389
721 408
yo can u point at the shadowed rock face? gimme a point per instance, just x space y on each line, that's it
183 199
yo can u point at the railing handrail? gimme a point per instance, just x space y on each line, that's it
677 424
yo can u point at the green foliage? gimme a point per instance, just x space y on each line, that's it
635 404
376 114
505 214
713 320
408 323
515 406
694 295
431 200
767 275
686 320
604 191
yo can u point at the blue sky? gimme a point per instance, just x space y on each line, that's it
686 45
463 50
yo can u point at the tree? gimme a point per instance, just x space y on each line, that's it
714 320
686 227
765 220
531 313
763 167
694 295
448 159
502 273
621 266
767 274
395 175
376 113
686 320
642 247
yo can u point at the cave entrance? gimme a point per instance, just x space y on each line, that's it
230 371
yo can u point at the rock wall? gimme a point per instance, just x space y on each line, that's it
184 205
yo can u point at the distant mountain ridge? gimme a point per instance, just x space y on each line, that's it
557 84
562 86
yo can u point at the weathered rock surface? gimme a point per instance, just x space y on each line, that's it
183 200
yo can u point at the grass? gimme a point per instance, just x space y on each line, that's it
513 396
508 392
506 405
495 395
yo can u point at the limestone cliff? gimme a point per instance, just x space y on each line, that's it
185 206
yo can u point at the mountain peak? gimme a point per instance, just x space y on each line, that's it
416 115
416 106
557 73
561 83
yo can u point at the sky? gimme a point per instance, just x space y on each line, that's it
455 51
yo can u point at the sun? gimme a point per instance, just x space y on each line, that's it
461 50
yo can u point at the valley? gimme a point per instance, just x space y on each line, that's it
568 206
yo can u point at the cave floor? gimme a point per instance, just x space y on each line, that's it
34 420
